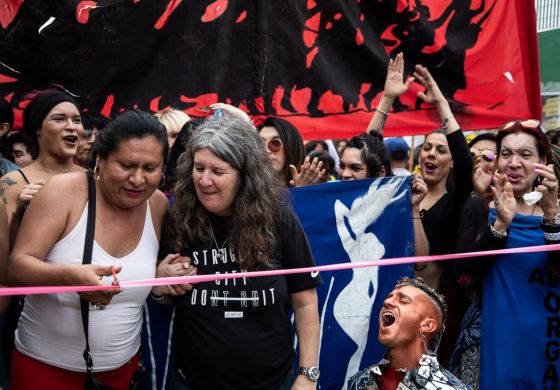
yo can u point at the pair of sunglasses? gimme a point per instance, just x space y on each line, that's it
274 145
529 124
486 155
87 134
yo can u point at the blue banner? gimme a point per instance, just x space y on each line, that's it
355 221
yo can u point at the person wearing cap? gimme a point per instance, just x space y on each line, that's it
399 150
411 321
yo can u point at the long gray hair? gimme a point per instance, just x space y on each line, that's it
251 227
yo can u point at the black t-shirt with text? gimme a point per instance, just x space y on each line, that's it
237 333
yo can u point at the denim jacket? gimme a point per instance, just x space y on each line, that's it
6 166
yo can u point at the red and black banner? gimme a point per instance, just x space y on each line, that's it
319 64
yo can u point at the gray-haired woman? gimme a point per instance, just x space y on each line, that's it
228 217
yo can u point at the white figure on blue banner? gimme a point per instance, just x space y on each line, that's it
354 221
352 307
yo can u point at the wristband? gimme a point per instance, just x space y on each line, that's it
381 111
552 236
157 298
496 233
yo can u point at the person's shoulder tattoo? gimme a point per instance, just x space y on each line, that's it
5 183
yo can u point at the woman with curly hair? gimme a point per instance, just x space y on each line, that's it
228 217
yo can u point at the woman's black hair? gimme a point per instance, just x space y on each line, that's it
293 144
177 150
311 145
482 137
374 153
126 126
93 120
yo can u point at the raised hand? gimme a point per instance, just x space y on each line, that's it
432 94
504 202
310 172
549 188
394 85
419 191
481 180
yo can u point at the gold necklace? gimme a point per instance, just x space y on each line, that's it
51 170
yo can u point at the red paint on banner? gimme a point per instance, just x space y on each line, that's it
200 101
359 37
331 103
309 38
337 16
300 99
9 11
310 56
311 4
328 26
162 21
108 106
259 104
154 105
313 22
83 9
277 101
361 101
241 17
6 79
214 10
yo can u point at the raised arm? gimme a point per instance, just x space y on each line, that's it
394 87
432 95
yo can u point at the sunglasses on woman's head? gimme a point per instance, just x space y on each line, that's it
529 124
274 145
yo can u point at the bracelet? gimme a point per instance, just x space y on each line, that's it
445 122
157 298
381 111
496 233
552 236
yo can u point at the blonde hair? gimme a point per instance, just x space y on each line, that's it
172 119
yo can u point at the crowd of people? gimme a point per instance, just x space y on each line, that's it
167 195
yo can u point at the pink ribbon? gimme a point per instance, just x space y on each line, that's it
323 268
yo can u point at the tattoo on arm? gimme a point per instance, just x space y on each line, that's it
381 124
5 182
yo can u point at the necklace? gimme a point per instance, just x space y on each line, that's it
51 170
221 249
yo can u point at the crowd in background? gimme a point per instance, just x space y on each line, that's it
207 196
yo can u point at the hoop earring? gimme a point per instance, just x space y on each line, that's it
96 171
162 180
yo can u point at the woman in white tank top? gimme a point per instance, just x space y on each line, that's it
130 154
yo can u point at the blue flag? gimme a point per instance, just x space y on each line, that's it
355 221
